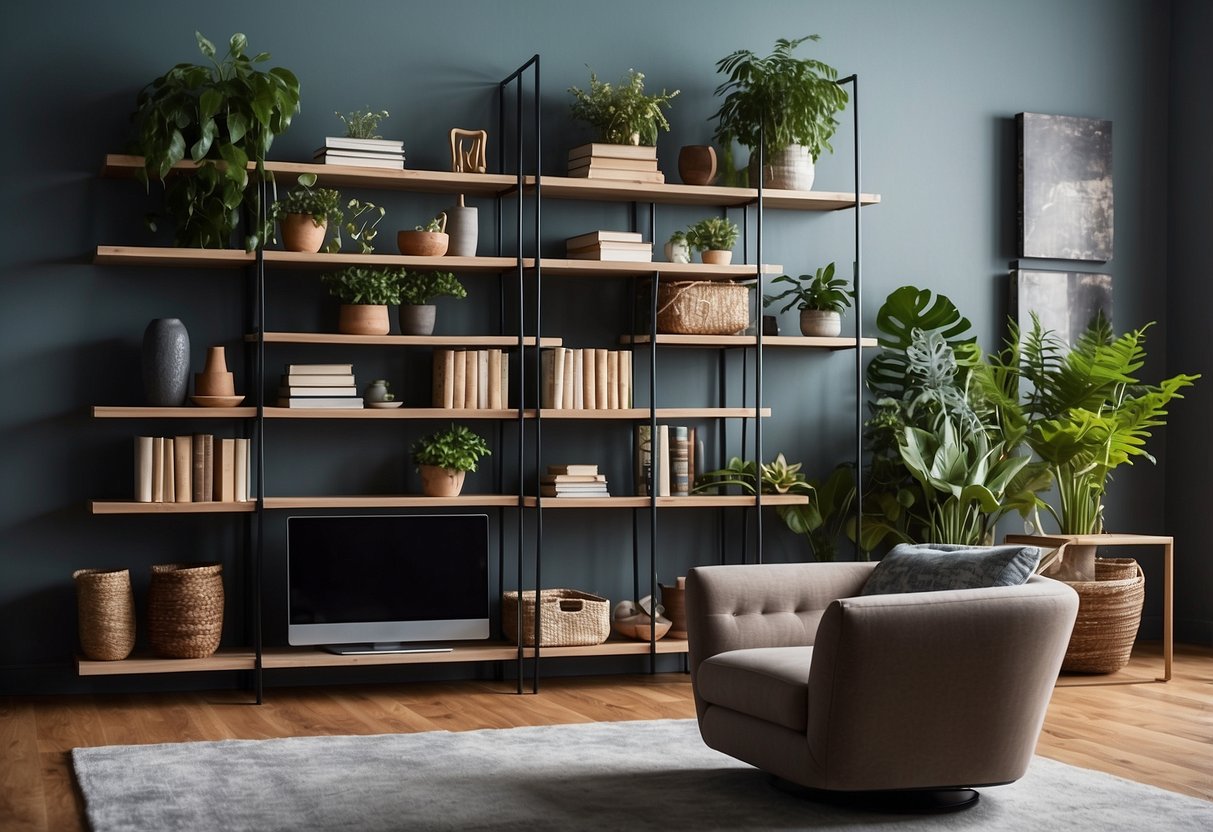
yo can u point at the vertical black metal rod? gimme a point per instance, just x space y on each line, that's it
653 550
656 462
259 428
538 334
722 400
758 354
858 286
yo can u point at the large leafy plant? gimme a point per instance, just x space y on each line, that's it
622 113
223 117
456 448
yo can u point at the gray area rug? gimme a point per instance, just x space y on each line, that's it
632 776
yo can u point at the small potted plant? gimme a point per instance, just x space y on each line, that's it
361 226
362 124
417 289
676 249
444 458
306 214
622 113
429 240
785 103
820 297
714 237
365 292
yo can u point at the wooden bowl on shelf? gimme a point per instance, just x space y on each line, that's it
638 626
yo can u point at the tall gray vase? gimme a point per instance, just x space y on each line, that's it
166 362
463 226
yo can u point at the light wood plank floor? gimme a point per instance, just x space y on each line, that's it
1155 733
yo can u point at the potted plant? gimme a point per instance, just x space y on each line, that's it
622 113
417 289
306 214
783 103
363 231
444 458
365 292
362 124
820 297
429 240
714 237
222 117
676 249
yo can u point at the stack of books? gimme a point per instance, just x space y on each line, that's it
585 379
677 451
573 481
191 469
472 379
319 385
366 153
609 245
619 162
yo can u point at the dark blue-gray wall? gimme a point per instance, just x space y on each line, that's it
940 83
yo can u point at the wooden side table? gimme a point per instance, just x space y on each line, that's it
1168 547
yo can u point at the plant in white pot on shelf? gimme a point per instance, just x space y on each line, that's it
365 293
782 103
820 297
306 214
417 289
444 458
714 238
676 248
622 113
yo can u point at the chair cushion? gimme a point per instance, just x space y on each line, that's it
937 566
769 683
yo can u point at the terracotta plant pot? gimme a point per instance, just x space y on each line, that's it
300 233
816 323
423 243
417 319
363 319
441 482
697 164
716 257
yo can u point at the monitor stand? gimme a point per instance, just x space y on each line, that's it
384 648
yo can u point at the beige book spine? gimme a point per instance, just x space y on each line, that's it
567 396
625 378
158 469
224 478
458 379
241 469
590 379
444 378
613 379
471 378
183 460
170 475
578 379
143 469
601 379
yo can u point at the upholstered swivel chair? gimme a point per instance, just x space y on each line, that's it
797 673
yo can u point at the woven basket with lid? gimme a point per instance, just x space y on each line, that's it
185 610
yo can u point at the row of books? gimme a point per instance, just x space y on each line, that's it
677 453
319 385
620 162
474 379
585 379
580 480
191 469
627 246
365 153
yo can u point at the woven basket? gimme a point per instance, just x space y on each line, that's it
1109 612
567 618
703 307
185 610
105 608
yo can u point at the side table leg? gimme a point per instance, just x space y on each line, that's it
1167 612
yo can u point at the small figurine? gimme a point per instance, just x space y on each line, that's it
469 157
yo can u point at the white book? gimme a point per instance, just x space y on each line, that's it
296 402
350 143
353 161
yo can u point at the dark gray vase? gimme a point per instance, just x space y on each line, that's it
417 319
166 362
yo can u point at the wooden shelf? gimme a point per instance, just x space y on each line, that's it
777 341
642 413
227 258
696 501
475 651
132 507
395 413
402 501
223 659
562 187
201 258
112 412
332 338
614 647
680 271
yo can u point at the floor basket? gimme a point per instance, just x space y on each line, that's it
567 618
703 307
1109 612
105 609
185 610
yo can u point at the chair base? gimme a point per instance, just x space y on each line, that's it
891 802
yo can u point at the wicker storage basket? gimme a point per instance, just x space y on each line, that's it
1109 611
185 610
567 618
703 307
105 608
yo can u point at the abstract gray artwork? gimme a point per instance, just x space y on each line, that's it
1065 187
1065 302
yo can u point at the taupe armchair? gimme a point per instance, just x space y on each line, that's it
797 674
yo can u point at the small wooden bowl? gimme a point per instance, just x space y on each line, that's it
422 243
637 627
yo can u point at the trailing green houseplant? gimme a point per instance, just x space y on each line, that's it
622 113
222 117
319 207
361 227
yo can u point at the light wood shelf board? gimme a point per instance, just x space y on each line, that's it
113 412
285 657
555 267
615 647
778 341
132 507
275 259
396 413
642 413
203 258
223 659
563 187
403 501
503 341
693 502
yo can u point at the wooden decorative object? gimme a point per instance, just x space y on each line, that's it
468 150
215 380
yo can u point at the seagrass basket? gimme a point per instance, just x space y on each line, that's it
567 618
105 608
702 307
185 610
1109 612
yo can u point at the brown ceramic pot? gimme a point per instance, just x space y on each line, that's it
441 482
697 164
300 233
363 319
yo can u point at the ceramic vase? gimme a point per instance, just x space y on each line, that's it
166 362
363 319
417 319
463 228
820 323
717 257
215 380
300 233
790 169
697 164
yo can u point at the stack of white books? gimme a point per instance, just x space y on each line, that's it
618 162
573 481
367 153
319 385
609 245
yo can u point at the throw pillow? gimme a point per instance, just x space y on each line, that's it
935 566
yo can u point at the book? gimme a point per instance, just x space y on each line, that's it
505 380
589 382
223 480
170 471
158 469
300 402
655 178
241 468
680 456
317 391
612 246
574 491
552 378
625 378
579 379
353 161
318 380
143 469
459 368
567 397
444 378
201 472
608 163
591 238
601 379
646 458
319 369
613 151
583 469
471 376
613 379
482 379
183 460
351 143
495 358
558 479
615 256
337 153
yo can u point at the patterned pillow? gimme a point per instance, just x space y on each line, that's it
934 566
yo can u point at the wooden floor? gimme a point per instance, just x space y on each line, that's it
1128 725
